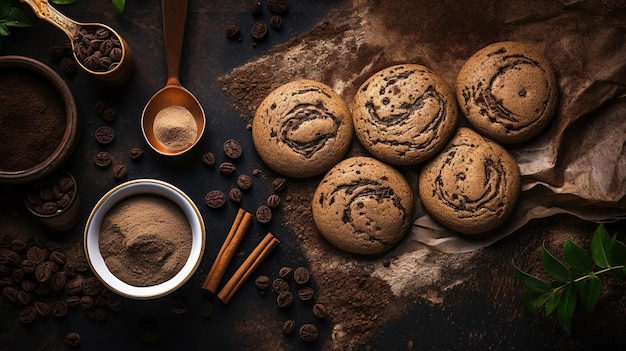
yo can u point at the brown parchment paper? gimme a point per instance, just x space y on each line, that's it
577 166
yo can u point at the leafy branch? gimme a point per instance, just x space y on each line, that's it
10 16
577 283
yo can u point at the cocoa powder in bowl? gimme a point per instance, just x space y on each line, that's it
145 240
38 120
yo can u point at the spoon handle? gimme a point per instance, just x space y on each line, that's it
45 11
174 18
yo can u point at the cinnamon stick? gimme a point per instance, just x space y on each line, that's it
252 262
228 250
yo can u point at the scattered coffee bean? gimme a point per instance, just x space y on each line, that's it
72 339
308 332
92 286
207 309
227 168
277 6
58 309
289 326
280 285
233 32
276 22
86 301
104 135
9 293
109 115
24 298
28 285
37 254
18 245
215 198
136 153
208 159
263 214
120 172
284 299
232 148
101 314
279 184
43 272
256 171
42 308
101 106
28 314
72 301
68 66
285 273
262 283
56 52
306 293
257 8
178 307
244 181
259 30
103 159
235 195
97 48
17 275
80 262
273 201
58 257
319 311
58 280
301 275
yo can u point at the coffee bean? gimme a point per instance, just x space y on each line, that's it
27 315
72 339
257 8
227 168
58 280
276 22
42 308
28 285
70 270
273 201
284 299
207 309
232 148
17 275
136 153
215 198
86 301
285 273
280 285
101 314
235 195
72 301
9 293
244 181
80 262
92 286
37 254
101 106
103 159
259 30
308 332
58 257
233 32
301 275
306 293
104 135
178 307
5 271
19 245
56 52
24 298
279 184
263 214
42 289
68 66
12 258
289 326
114 301
58 309
119 172
319 311
109 115
277 6
262 282
43 272
75 286
208 158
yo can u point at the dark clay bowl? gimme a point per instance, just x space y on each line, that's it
68 142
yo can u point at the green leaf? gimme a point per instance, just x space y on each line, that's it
4 31
119 6
577 258
63 2
566 307
600 243
589 291
17 18
555 268
618 252
533 300
531 282
553 302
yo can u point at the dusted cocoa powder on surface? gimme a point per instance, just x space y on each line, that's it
32 119
145 240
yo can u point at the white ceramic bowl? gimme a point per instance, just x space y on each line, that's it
147 187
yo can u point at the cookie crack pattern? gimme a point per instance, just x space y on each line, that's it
296 130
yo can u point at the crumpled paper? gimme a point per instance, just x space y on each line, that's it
577 166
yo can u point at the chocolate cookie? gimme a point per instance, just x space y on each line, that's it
363 206
404 114
302 129
472 186
508 92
